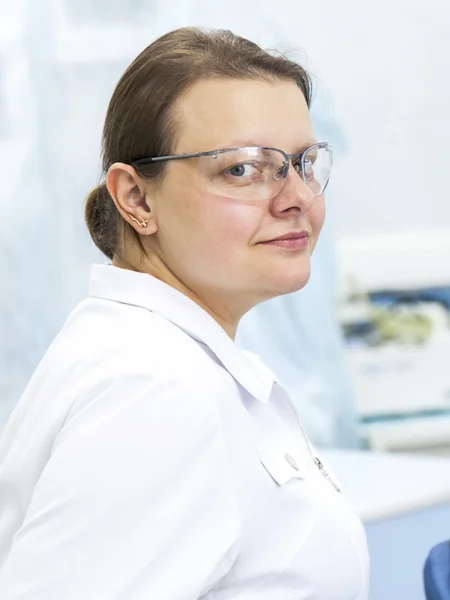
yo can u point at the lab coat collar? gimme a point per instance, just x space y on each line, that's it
140 289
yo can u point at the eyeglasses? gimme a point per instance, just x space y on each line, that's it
256 173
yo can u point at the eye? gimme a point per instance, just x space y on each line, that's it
241 170
308 166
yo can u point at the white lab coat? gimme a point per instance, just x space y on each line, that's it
150 458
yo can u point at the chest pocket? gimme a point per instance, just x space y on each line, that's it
284 458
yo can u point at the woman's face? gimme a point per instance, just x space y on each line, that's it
218 245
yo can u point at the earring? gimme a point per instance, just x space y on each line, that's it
142 223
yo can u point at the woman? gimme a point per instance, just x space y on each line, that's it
149 457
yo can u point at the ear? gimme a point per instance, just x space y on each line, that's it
127 190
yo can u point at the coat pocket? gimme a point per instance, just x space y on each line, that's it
282 457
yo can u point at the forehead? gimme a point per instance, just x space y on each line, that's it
221 113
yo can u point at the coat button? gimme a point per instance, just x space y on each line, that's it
291 461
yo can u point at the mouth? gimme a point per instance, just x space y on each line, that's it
295 240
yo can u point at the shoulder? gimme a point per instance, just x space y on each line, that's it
104 339
154 392
131 424
111 358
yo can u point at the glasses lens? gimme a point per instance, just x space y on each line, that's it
243 174
316 168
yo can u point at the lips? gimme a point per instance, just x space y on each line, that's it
293 235
295 240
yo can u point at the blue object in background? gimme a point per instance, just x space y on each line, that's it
437 572
398 548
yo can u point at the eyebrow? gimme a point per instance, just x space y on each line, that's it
251 143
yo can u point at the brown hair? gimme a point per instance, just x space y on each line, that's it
140 120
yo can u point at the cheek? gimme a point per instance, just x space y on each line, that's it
317 218
204 227
217 222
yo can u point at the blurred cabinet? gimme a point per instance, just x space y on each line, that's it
395 312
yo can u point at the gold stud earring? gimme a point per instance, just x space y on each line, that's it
142 223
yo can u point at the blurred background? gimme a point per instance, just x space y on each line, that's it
364 349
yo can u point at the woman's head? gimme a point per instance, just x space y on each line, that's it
194 221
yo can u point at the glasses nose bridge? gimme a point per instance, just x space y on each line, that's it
295 155
283 171
287 175
288 161
303 193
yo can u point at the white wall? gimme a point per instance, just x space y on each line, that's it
387 64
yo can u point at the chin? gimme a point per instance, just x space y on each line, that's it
296 283
287 285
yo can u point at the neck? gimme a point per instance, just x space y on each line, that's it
227 319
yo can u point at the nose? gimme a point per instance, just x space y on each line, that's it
295 194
